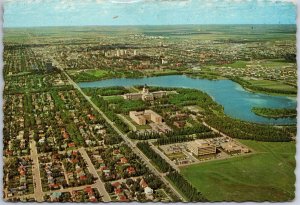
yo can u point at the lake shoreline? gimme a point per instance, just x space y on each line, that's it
227 93
188 74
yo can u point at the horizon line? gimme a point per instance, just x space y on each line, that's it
136 25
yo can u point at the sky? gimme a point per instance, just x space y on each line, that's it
34 13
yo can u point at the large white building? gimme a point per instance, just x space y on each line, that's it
145 95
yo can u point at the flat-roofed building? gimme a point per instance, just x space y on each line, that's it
142 117
138 117
154 117
201 148
231 148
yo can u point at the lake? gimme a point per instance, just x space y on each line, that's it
237 101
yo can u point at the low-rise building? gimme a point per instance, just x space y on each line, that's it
201 148
233 148
142 117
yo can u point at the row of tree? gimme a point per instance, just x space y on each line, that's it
186 138
156 158
199 128
174 139
143 136
115 90
243 130
186 188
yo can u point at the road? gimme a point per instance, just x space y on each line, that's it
125 138
99 185
38 192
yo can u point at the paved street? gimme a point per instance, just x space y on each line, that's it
99 185
38 192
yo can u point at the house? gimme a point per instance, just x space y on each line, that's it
130 170
143 183
106 172
122 197
116 151
116 184
55 196
118 191
148 191
123 160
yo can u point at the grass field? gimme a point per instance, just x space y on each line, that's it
267 174
88 75
113 98
275 63
97 73
238 64
268 63
272 85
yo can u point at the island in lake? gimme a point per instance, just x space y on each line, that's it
275 113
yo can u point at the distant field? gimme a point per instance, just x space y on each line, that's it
265 175
270 63
275 63
88 75
238 64
97 73
242 33
272 84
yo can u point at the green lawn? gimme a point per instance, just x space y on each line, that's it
97 73
265 175
238 64
275 63
124 106
269 63
113 98
88 75
272 85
